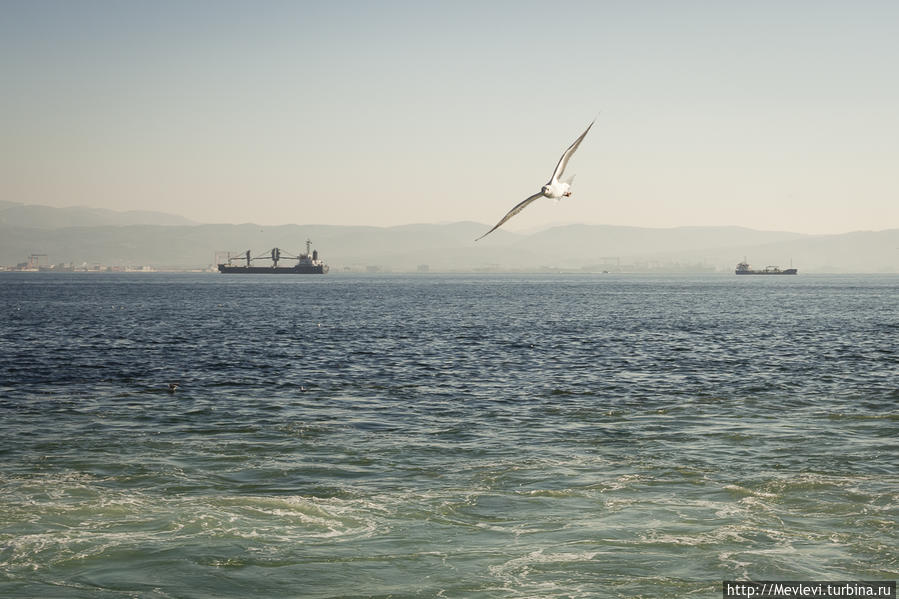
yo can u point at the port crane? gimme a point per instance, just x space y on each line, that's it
34 260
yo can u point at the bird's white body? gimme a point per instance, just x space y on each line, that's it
555 189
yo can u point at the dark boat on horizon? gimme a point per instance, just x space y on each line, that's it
307 264
743 268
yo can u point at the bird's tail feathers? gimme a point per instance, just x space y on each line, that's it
570 179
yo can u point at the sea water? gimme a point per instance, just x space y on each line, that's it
479 436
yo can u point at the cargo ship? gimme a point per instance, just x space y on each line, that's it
743 268
307 264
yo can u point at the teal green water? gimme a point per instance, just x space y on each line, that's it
445 436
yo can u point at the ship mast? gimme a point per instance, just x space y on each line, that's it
308 245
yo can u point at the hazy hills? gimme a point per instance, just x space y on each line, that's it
84 235
46 217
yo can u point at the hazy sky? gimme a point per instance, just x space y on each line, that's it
773 115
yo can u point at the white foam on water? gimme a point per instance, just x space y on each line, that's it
521 566
289 519
624 482
728 534
88 529
554 493
741 490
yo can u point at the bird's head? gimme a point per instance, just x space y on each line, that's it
545 190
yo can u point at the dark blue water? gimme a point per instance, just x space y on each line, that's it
445 436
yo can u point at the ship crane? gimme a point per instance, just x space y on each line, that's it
244 256
275 255
278 253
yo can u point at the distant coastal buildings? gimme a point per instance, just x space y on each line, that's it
40 263
63 267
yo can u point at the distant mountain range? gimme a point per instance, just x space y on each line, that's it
48 217
87 235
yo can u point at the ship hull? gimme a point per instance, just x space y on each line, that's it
299 269
789 271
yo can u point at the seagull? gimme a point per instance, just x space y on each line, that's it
555 189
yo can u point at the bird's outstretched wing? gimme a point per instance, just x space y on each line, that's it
563 161
521 206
